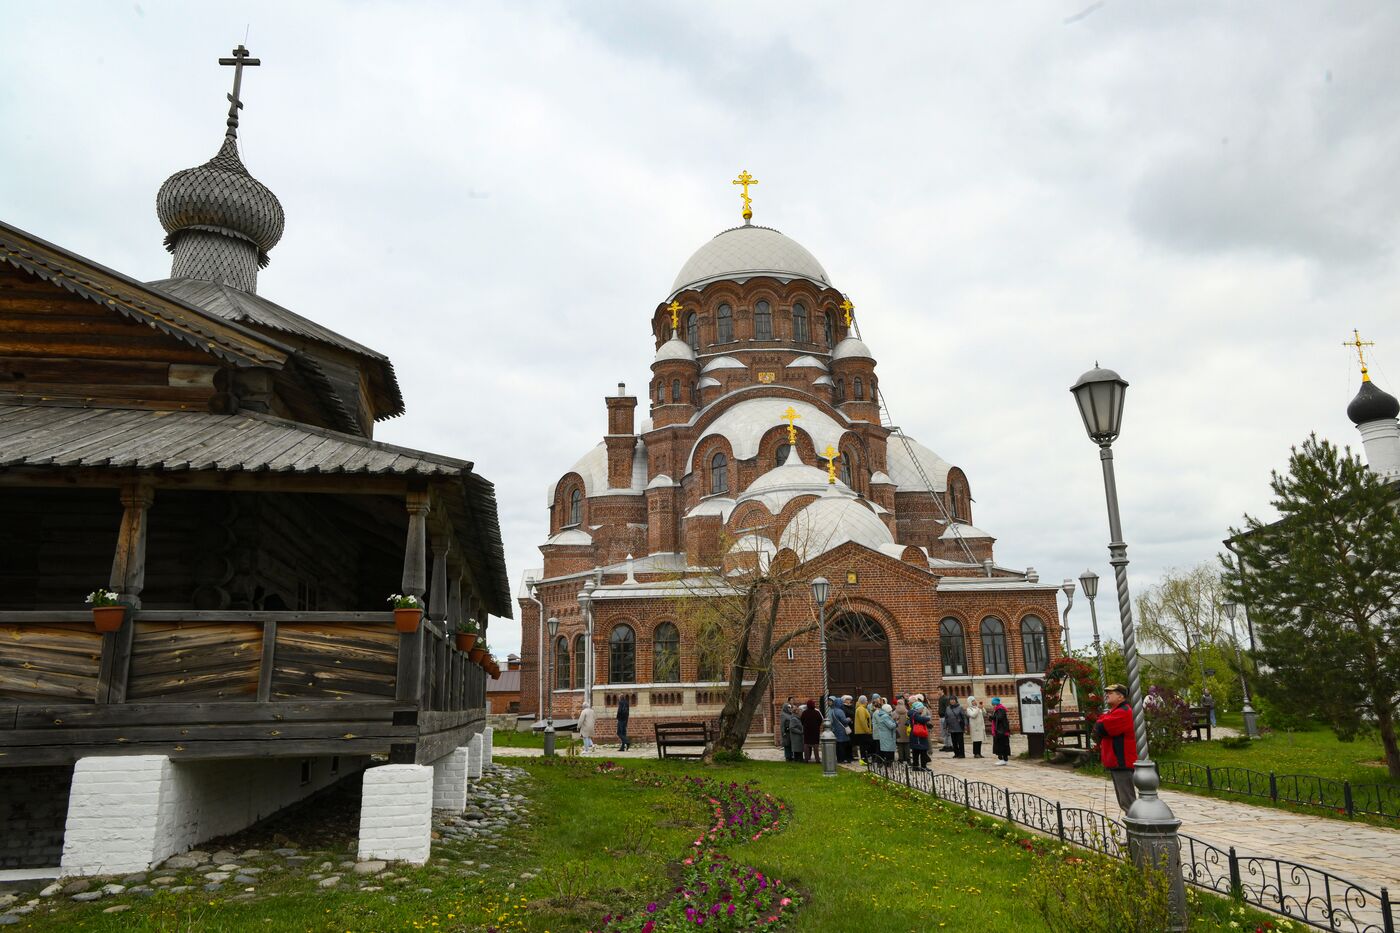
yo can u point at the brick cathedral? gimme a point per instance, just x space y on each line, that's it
763 434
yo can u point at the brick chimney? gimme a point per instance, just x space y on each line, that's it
621 439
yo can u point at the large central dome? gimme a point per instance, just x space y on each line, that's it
743 252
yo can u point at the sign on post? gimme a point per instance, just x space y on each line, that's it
1032 704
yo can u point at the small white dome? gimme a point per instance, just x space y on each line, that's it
782 484
662 481
881 478
571 536
832 521
852 348
707 382
744 252
674 349
807 362
906 475
754 544
715 505
823 381
722 362
959 530
745 423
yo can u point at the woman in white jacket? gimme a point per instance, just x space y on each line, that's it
976 725
586 721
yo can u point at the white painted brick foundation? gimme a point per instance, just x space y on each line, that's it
489 744
396 813
450 781
127 813
474 757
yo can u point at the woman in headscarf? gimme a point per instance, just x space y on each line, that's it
901 729
1001 732
884 726
919 723
811 731
841 728
976 725
787 722
864 730
587 719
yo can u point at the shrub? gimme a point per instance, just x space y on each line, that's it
1167 718
730 756
1094 895
1235 742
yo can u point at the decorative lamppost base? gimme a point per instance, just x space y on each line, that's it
1251 722
1153 842
549 741
828 753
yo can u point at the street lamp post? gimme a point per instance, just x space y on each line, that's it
820 589
1152 827
585 605
553 625
1090 582
1251 723
1068 589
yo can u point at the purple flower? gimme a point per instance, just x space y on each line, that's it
651 908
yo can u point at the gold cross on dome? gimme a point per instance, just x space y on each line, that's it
848 308
1357 342
675 308
832 455
791 416
746 179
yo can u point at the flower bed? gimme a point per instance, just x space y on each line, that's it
714 892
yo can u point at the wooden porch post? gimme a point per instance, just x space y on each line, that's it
415 582
128 579
437 595
454 625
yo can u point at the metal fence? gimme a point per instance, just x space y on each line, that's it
1307 790
1299 892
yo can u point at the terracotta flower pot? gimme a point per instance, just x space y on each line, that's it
406 620
496 673
476 654
108 618
465 640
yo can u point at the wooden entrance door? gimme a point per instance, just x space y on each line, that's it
858 657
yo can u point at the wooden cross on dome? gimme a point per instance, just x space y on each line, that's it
832 455
848 308
746 179
1357 342
675 308
791 416
240 58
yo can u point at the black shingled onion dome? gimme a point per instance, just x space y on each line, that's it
1372 403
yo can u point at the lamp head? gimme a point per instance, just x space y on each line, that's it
1099 393
1090 582
585 595
1229 608
820 590
553 625
1068 588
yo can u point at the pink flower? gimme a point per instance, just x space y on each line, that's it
785 902
650 925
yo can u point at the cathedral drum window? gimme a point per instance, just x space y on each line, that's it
952 647
675 390
1034 645
799 323
692 330
726 325
576 507
762 321
719 473
859 389
666 654
994 660
561 664
622 656
828 324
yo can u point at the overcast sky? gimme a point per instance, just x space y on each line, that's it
1203 196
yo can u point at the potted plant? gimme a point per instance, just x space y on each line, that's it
467 636
107 613
408 612
495 669
477 652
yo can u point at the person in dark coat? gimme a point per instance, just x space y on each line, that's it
1001 732
841 728
785 723
624 711
943 700
1117 743
919 720
954 725
901 729
793 737
811 731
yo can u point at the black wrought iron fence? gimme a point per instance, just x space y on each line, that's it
1299 892
1307 790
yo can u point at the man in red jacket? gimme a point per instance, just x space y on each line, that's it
1117 745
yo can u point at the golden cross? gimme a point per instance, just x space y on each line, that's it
746 179
791 416
1357 342
848 308
832 455
675 308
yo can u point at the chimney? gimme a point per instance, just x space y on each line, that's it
621 439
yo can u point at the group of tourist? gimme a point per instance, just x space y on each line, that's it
873 729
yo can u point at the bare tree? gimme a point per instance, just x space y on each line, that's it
1182 615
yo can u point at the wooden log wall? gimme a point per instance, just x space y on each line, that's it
56 546
53 662
179 662
333 662
58 345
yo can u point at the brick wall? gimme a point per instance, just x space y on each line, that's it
396 813
33 807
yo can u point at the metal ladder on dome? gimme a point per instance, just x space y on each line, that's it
888 422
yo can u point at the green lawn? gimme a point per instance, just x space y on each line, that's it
860 856
562 740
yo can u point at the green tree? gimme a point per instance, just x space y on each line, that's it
1182 616
1323 587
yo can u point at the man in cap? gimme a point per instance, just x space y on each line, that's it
1117 744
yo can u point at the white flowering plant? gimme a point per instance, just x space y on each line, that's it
400 601
103 597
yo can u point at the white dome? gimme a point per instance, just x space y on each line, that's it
572 536
807 362
782 484
674 349
960 530
832 521
754 544
903 471
745 423
744 252
722 362
852 348
593 467
708 382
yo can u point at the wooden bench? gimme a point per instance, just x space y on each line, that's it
1200 722
671 737
1074 726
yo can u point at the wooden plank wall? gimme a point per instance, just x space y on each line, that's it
178 662
51 663
58 345
56 546
314 660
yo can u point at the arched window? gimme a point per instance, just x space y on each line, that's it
675 390
954 500
781 455
666 654
580 660
692 331
576 507
840 390
762 321
951 646
799 323
622 656
709 653
827 317
719 473
726 324
660 392
994 647
561 664
846 469
1034 647
860 389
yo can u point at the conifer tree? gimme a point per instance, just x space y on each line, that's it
1322 585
